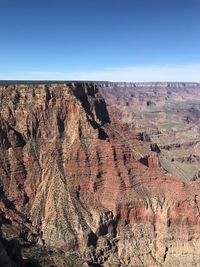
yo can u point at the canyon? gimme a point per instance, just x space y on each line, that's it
99 174
164 114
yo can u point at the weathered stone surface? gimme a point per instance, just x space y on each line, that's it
72 179
165 114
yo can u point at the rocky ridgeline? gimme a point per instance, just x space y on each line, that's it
72 179
146 93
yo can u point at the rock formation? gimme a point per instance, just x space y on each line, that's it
167 114
77 183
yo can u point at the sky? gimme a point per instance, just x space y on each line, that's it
115 40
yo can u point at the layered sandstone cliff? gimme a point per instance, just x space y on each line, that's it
75 180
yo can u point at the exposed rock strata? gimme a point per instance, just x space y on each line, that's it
167 114
72 179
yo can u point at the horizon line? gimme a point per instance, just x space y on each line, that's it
93 81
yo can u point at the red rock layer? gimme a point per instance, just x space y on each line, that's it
78 181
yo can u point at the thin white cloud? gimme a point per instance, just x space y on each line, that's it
184 73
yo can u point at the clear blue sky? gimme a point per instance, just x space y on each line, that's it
93 39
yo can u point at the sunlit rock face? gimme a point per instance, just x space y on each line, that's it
75 178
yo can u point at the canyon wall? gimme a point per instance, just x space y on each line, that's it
74 178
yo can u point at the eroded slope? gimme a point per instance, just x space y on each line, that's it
75 181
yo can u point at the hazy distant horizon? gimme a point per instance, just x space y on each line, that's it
90 81
165 73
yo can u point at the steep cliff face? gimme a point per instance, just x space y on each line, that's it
72 179
44 130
